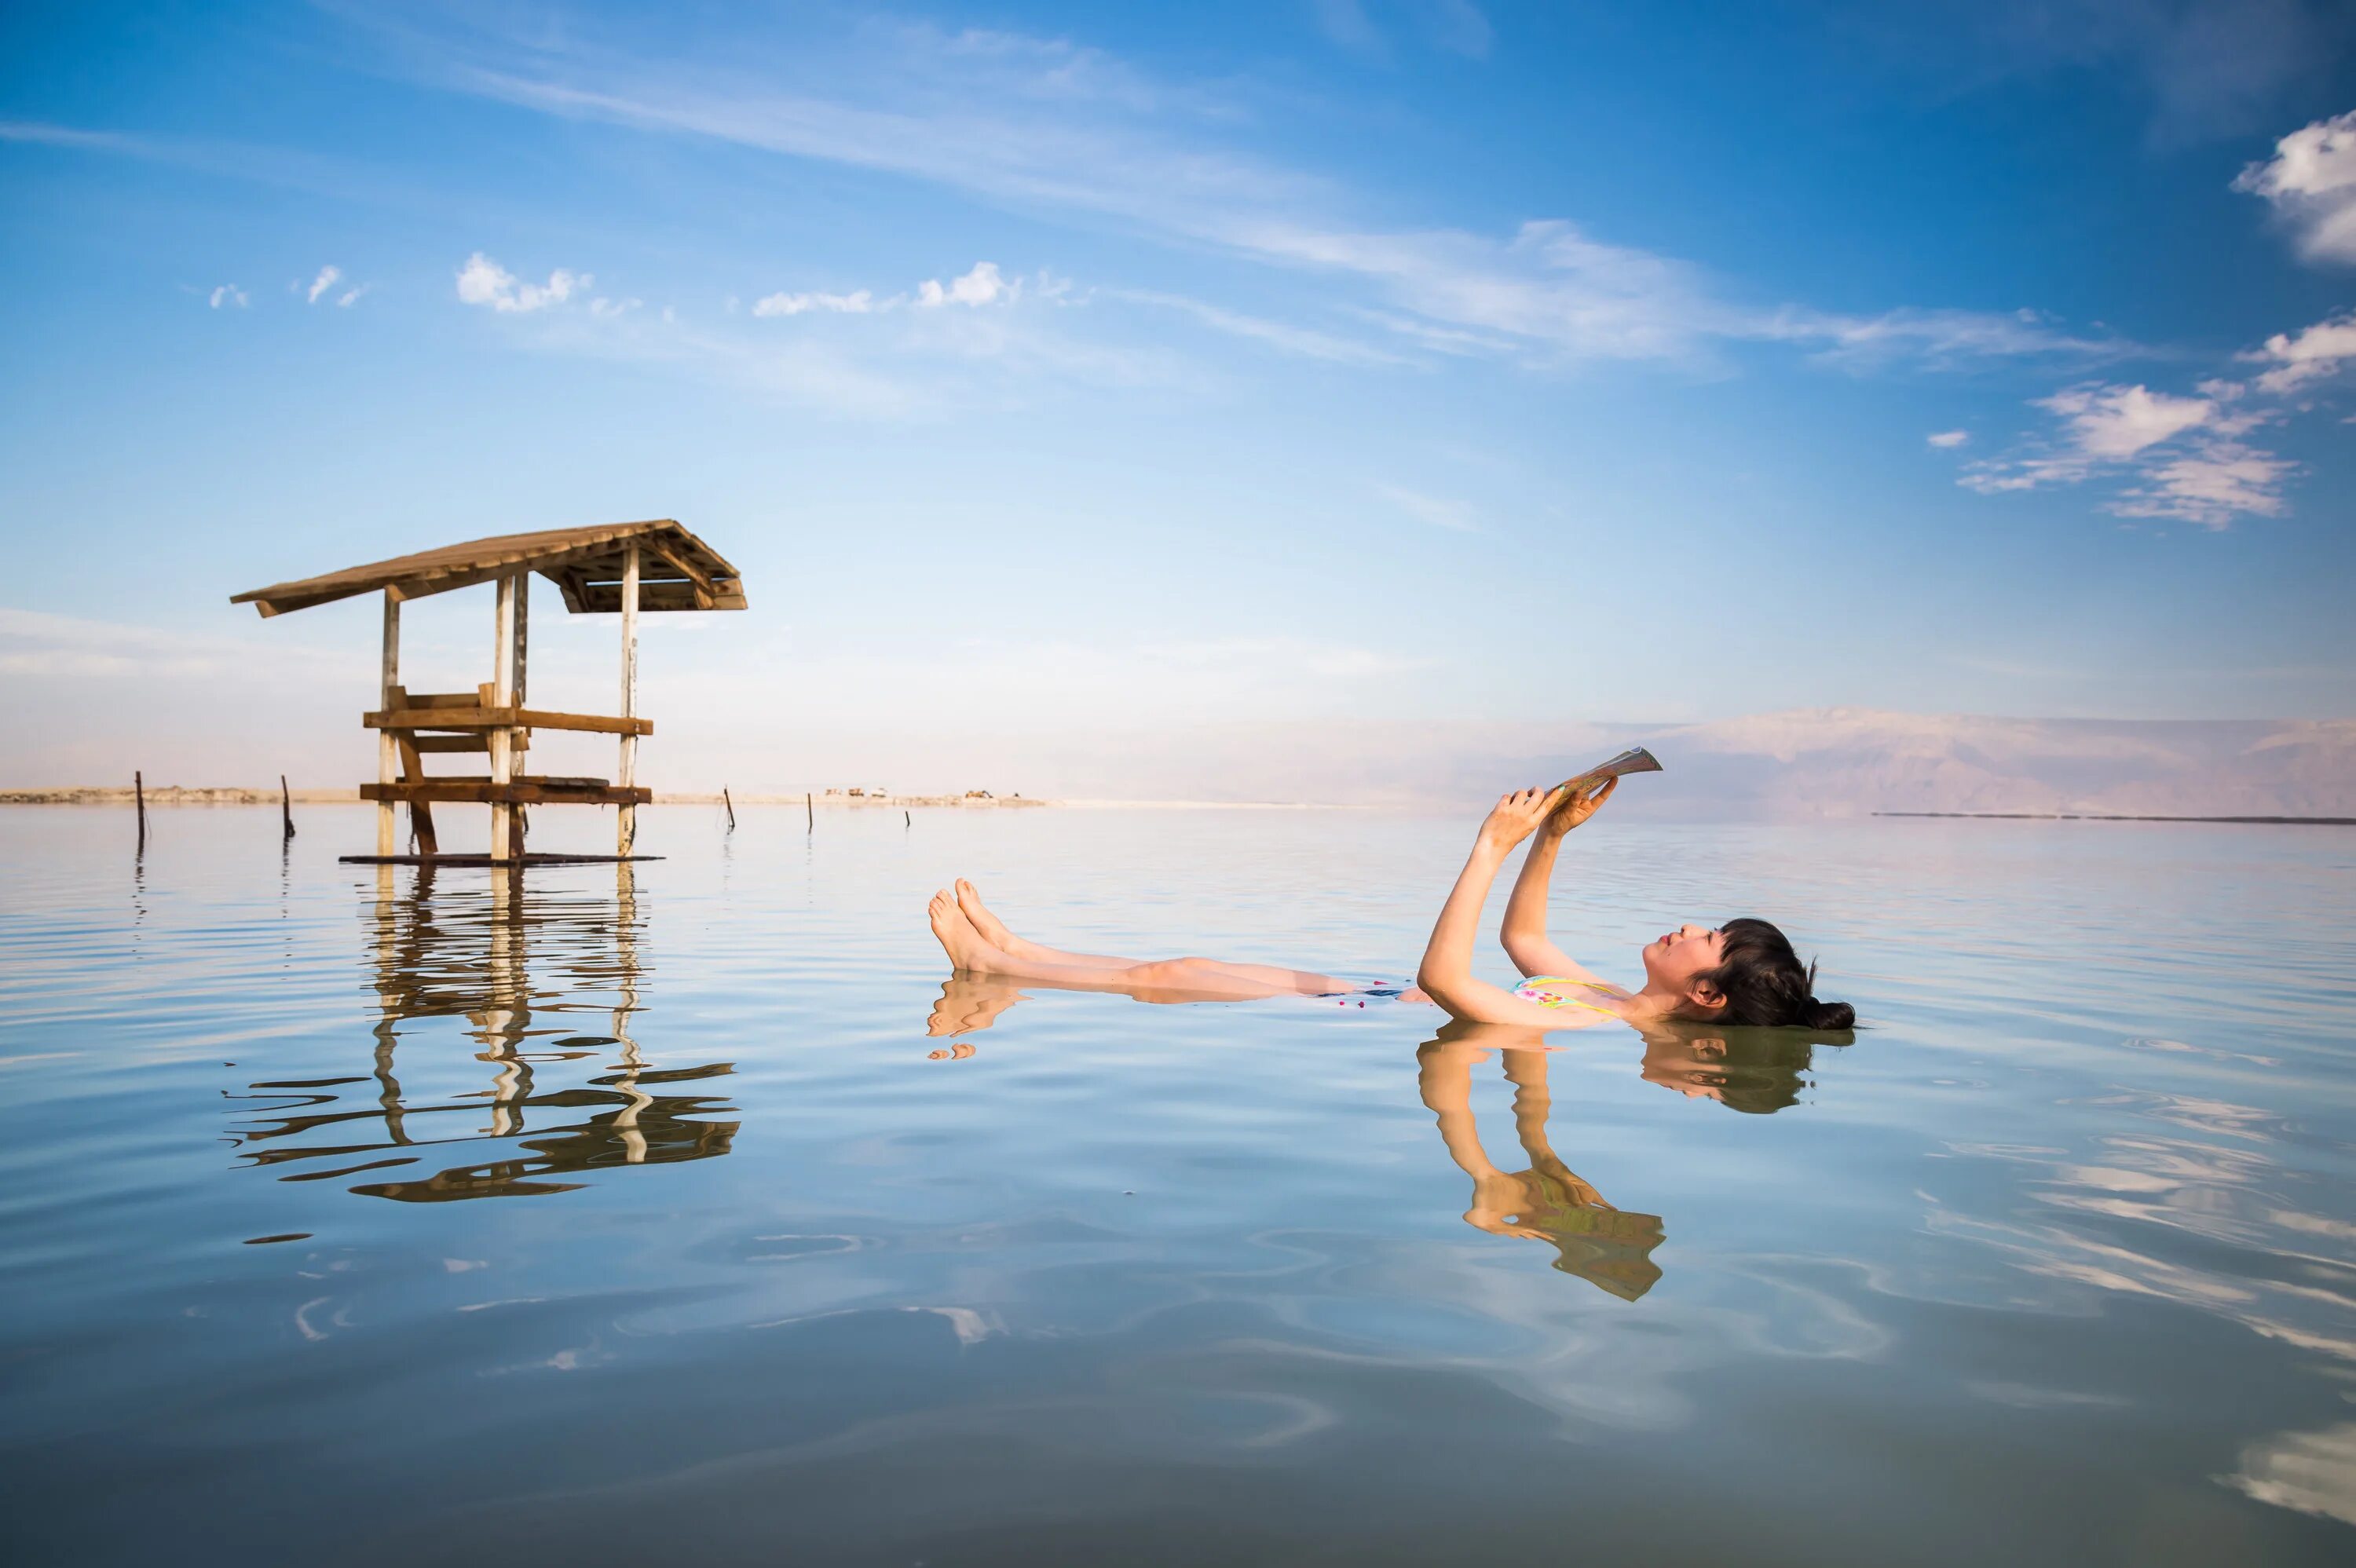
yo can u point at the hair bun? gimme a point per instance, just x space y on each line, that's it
1826 1014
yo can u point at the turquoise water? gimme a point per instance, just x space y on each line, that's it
384 1221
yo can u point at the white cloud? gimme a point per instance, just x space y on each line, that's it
2113 423
856 304
227 294
1440 511
325 280
2211 485
981 286
1946 440
2311 181
2183 457
609 308
2311 354
484 281
345 300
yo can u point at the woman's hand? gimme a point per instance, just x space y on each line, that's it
1515 816
1577 807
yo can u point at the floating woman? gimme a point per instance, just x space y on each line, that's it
1742 972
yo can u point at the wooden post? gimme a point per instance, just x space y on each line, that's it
731 805
387 751
810 813
519 818
627 829
286 808
503 650
139 794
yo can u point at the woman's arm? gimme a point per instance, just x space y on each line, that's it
1526 943
1446 974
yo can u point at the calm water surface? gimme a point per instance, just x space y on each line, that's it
355 1221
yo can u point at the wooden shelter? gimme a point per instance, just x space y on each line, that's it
614 567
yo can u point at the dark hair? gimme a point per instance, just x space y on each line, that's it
1764 984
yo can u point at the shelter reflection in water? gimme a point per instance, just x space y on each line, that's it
545 984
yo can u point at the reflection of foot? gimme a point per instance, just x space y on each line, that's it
958 937
958 1053
969 1003
992 929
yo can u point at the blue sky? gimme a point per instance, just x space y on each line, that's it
1060 370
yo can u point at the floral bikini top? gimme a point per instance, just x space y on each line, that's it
1560 991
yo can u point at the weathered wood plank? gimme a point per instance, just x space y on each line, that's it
515 793
504 717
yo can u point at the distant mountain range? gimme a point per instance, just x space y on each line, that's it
1824 762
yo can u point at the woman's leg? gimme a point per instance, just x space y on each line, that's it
1203 979
993 931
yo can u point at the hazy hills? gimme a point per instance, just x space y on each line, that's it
1840 762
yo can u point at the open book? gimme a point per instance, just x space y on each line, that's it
1634 759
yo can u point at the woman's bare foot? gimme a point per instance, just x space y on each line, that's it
958 939
992 929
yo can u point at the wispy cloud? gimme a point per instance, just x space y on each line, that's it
2180 458
1946 440
327 279
1457 27
1302 340
2311 181
484 281
2311 354
1440 511
2211 485
1035 124
227 296
982 285
855 303
39 643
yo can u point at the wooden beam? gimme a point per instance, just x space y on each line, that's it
518 792
626 829
436 745
488 718
705 590
387 685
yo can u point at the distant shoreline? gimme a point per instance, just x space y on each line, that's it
184 794
2095 816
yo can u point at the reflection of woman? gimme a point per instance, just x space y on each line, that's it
1744 972
1756 1071
1608 1247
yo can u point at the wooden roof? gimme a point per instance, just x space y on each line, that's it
676 571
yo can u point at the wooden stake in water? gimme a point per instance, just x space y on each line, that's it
139 794
811 826
286 808
731 805
907 821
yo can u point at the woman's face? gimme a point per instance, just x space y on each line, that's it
1677 961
